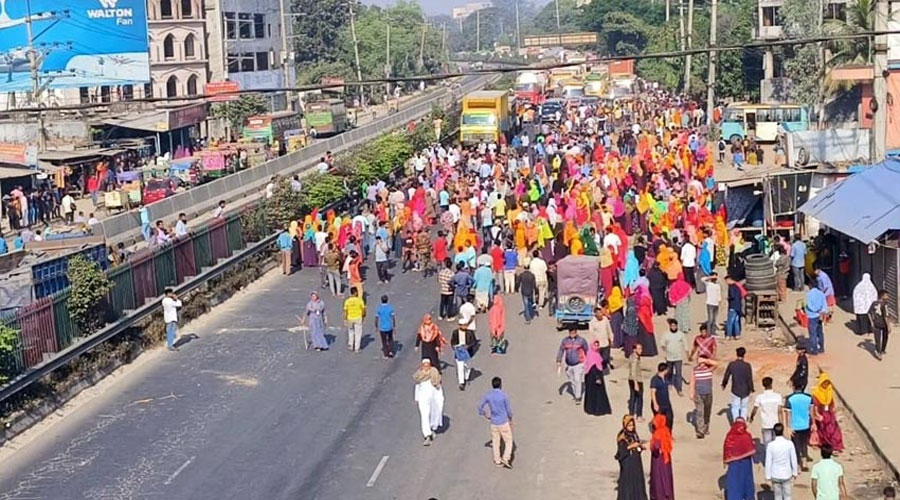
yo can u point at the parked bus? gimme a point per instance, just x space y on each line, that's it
761 121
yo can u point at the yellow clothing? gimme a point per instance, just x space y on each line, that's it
354 309
500 208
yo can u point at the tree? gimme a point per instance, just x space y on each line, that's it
87 292
569 17
801 64
316 31
236 112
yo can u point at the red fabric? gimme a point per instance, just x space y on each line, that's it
738 443
645 312
497 259
440 250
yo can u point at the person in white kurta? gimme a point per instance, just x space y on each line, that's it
430 397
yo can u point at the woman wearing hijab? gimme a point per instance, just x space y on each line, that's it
308 248
632 270
680 298
616 304
429 397
596 400
658 285
316 320
738 457
644 305
864 295
662 483
607 270
824 414
631 484
497 322
431 340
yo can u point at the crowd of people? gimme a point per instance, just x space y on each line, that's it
637 190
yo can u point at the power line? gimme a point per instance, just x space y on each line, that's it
489 71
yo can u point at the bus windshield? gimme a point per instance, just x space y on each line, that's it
479 119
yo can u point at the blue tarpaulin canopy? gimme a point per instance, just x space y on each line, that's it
862 206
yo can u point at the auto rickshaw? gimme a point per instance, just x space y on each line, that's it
577 290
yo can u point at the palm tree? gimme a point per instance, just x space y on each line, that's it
859 17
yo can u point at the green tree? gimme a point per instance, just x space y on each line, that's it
9 342
236 112
801 62
569 17
87 293
316 30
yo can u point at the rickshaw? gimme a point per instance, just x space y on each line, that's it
577 290
129 193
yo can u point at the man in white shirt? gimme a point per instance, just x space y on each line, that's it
612 240
68 207
170 304
713 299
769 405
781 464
454 211
538 268
467 315
689 261
181 228
322 166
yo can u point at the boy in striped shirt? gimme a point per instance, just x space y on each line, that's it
701 393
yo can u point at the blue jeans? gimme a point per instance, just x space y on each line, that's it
171 331
739 407
733 324
528 302
816 336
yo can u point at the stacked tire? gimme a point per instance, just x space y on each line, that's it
760 273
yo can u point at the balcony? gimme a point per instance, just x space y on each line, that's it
770 32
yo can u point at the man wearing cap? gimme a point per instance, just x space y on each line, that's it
800 377
429 396
463 343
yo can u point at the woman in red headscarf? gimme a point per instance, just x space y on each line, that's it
738 457
430 338
662 483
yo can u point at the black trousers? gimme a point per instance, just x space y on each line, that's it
607 359
387 343
635 398
446 310
801 444
382 268
689 276
881 339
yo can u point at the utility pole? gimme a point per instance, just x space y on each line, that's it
355 50
387 63
35 79
668 7
711 78
821 101
421 62
681 23
879 127
285 18
478 30
690 45
557 17
518 36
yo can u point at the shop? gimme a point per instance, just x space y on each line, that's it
176 131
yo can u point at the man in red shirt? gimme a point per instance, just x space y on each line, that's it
440 249
497 264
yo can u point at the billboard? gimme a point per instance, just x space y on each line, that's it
78 43
560 40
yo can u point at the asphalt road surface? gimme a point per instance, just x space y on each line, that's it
244 412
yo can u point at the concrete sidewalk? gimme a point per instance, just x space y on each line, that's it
870 389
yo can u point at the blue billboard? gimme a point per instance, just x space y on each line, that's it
78 43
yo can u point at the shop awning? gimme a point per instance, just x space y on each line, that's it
862 206
13 172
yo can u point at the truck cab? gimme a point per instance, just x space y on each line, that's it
485 117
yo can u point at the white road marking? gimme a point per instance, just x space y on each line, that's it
179 471
377 471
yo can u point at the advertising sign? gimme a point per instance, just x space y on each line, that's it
78 43
213 161
222 91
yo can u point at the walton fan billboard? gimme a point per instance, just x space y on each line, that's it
77 43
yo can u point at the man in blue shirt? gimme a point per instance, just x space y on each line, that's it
823 282
484 286
798 262
285 244
385 323
816 310
799 405
510 262
462 283
500 415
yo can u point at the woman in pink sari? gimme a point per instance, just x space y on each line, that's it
497 322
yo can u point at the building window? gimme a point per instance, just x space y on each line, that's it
247 62
127 92
259 25
836 11
148 90
230 26
105 94
233 65
245 26
189 47
262 61
84 95
187 10
172 87
165 9
771 16
169 48
192 85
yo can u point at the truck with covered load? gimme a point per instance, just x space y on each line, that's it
485 116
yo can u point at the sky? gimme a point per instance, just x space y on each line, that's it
433 7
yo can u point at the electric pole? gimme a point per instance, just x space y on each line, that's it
355 50
711 78
821 101
478 30
879 127
690 44
518 36
35 79
557 18
421 62
668 7
387 63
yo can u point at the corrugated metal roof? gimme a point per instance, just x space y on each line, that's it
863 205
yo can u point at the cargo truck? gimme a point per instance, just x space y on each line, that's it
328 117
485 116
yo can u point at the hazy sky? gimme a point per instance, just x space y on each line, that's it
438 6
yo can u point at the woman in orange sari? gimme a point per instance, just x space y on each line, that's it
431 340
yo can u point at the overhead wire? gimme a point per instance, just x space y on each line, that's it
513 68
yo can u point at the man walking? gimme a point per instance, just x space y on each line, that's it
463 343
600 330
286 245
382 261
573 349
673 344
769 405
538 268
828 477
881 325
781 465
445 286
713 298
386 323
741 375
816 312
170 304
798 262
735 309
354 312
510 262
333 263
499 413
800 377
701 393
799 406
635 383
527 287
660 402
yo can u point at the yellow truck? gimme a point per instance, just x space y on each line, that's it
485 116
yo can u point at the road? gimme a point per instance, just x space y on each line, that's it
244 412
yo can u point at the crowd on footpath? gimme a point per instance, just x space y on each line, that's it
489 222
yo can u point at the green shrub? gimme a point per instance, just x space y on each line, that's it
89 286
9 342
